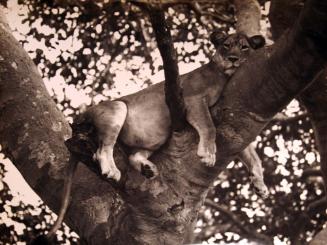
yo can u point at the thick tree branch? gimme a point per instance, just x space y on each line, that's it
248 16
314 98
173 89
282 13
32 133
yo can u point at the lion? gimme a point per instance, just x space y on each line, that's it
142 120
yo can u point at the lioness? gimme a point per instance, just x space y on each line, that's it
142 120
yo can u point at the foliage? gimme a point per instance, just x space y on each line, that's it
87 44
290 160
90 40
21 222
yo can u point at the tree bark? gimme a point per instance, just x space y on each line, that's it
159 211
282 13
248 15
173 90
315 97
32 133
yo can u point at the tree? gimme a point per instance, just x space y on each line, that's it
160 211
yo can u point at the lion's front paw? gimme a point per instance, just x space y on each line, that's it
207 154
107 165
111 174
109 170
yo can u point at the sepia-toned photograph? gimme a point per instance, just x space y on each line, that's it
163 122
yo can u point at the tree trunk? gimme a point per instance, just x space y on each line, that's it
248 17
315 97
282 13
159 211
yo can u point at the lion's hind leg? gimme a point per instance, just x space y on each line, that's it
253 162
139 160
108 119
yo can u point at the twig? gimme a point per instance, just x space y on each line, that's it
174 1
311 173
200 12
229 214
313 208
173 90
280 117
236 222
317 206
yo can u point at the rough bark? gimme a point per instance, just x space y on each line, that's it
32 133
314 98
315 101
282 13
159 211
248 16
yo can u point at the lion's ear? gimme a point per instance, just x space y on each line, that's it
217 37
257 41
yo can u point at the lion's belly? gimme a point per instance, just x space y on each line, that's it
147 124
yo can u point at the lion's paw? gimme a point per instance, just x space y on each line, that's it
207 154
111 174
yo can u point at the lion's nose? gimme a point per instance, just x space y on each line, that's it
233 58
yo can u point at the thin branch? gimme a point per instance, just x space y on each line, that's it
311 173
280 117
173 90
313 208
228 214
165 2
218 16
236 221
104 4
317 206
283 119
